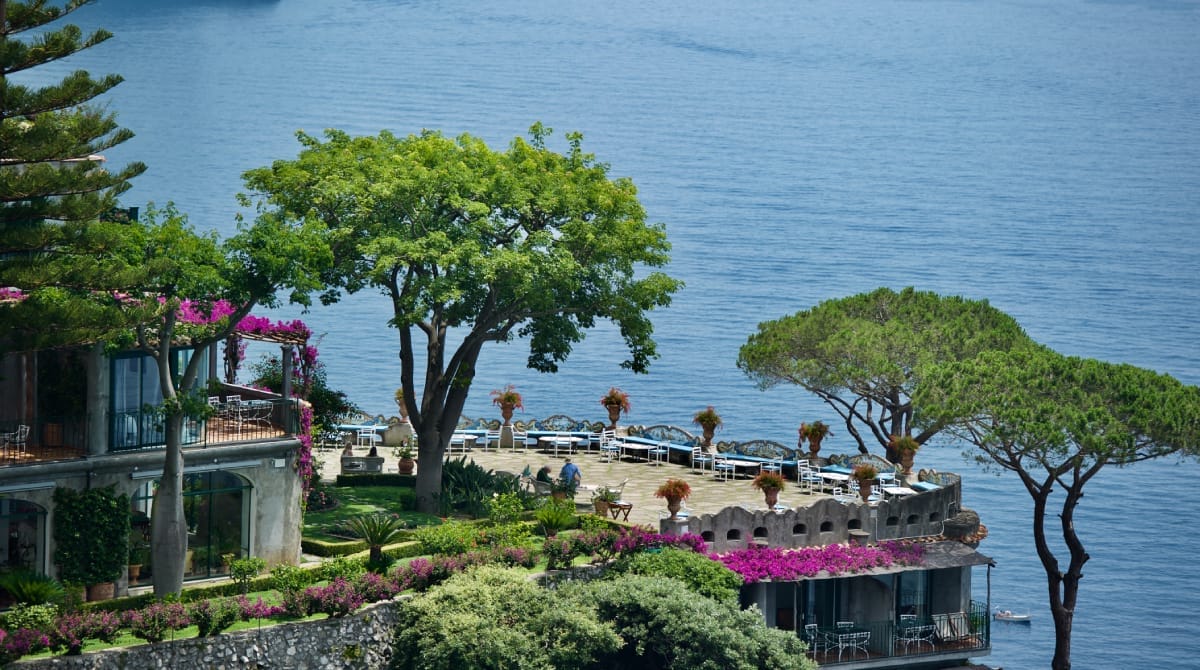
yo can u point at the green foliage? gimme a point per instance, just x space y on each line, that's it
491 618
701 574
666 625
32 588
505 508
450 538
866 354
488 243
90 531
403 484
34 617
376 530
468 487
244 570
290 579
593 523
213 616
555 515
343 566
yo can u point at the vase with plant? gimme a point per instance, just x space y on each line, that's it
405 460
865 474
709 421
770 483
139 554
400 405
602 499
561 489
615 401
507 399
675 491
814 432
905 447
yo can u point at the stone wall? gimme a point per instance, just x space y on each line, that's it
826 521
361 641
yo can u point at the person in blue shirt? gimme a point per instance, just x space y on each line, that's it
570 474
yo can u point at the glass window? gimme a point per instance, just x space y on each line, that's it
22 535
216 507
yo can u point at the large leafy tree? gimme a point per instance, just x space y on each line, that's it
189 290
1056 421
865 354
53 182
472 246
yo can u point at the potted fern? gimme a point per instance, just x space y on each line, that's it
770 483
814 432
865 474
615 401
709 421
906 448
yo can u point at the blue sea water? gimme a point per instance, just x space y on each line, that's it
1041 154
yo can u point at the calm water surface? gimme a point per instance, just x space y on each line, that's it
1042 155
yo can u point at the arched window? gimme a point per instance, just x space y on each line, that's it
22 535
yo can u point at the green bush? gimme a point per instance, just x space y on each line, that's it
344 566
496 618
666 625
213 616
555 515
244 570
31 588
453 537
405 494
702 574
290 579
324 549
505 508
34 617
91 531
376 530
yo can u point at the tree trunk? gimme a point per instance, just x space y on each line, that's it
168 529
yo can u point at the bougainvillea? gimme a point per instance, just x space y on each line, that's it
757 564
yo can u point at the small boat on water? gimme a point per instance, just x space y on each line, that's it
1012 617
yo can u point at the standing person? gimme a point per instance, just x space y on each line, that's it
570 474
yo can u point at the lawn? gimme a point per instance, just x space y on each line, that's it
356 500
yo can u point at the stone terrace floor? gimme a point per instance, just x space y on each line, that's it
709 494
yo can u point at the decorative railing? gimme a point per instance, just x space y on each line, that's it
928 635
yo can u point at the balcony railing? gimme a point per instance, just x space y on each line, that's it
955 634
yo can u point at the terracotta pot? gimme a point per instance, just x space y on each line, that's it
601 507
559 495
814 447
614 413
864 489
673 506
135 571
771 495
906 459
506 412
708 435
406 466
102 591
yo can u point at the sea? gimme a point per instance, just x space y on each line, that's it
1043 155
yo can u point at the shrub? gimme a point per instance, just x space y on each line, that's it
374 587
600 545
21 641
342 566
555 515
213 616
702 574
91 529
32 588
34 617
257 609
505 509
290 579
376 530
454 537
559 552
337 599
152 623
73 629
514 557
244 570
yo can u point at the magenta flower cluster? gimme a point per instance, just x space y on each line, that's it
153 622
9 293
758 564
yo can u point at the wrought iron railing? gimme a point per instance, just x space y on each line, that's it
937 634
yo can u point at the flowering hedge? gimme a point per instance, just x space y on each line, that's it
758 564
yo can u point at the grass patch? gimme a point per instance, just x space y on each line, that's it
356 500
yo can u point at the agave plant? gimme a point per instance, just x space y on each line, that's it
30 588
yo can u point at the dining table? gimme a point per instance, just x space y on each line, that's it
562 441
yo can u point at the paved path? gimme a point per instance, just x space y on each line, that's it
708 493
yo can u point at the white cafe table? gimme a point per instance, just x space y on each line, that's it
462 441
556 442
899 491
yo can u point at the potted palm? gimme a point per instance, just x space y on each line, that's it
507 399
814 432
905 447
709 421
865 474
139 555
615 401
675 491
770 483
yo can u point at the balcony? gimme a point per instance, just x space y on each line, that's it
60 438
926 640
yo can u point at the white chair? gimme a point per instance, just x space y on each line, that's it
520 439
723 468
609 446
367 437
774 465
701 459
18 438
658 453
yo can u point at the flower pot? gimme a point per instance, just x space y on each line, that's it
601 507
708 435
864 489
101 591
614 413
814 447
559 495
135 571
506 412
771 496
906 460
406 466
673 506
